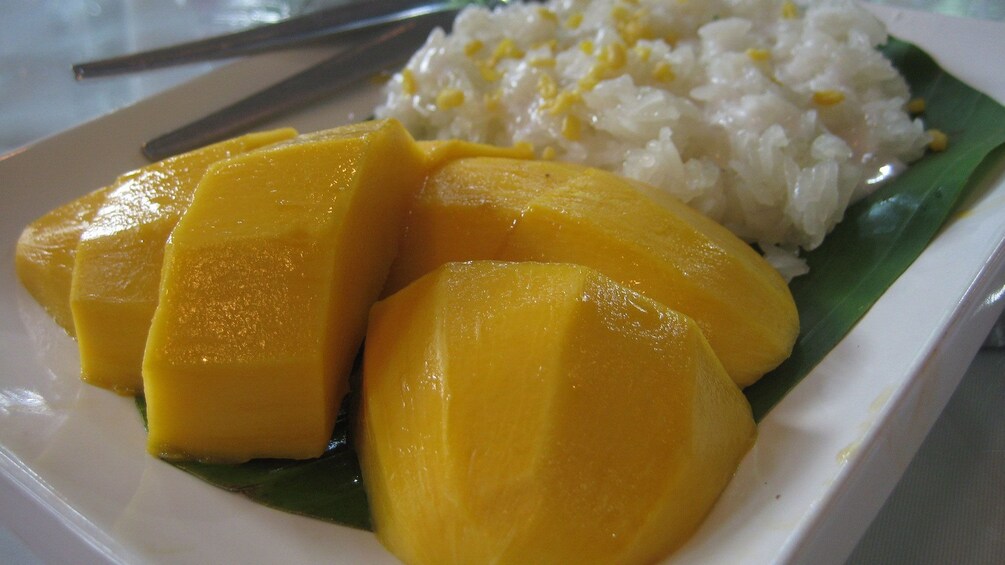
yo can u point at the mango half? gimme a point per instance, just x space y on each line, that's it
513 210
541 413
267 282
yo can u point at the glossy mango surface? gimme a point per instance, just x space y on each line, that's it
117 265
267 282
46 250
467 209
541 413
482 208
673 254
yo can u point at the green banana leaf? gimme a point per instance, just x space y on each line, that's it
878 239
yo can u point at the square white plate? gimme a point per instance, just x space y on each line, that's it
77 485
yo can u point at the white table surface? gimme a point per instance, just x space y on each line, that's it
947 507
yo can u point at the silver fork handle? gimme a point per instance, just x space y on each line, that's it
321 24
367 58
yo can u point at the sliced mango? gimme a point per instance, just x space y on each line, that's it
466 210
541 413
267 282
672 254
46 251
117 267
515 210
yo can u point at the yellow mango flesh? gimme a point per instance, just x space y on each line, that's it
267 281
117 268
473 209
46 250
466 210
541 413
442 151
672 254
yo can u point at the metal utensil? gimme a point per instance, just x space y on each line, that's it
380 53
326 23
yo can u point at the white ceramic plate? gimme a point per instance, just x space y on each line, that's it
77 485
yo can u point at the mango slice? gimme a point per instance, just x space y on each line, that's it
672 254
482 208
46 251
541 413
118 261
466 210
267 282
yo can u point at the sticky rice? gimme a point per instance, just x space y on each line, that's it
767 115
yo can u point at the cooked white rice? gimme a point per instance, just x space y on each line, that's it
767 115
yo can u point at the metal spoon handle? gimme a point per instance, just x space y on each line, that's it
323 23
347 67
